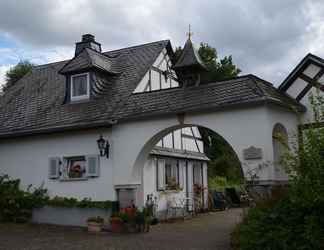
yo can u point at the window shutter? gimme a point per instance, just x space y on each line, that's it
174 170
160 174
54 168
92 166
182 167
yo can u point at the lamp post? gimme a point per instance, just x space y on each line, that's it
103 146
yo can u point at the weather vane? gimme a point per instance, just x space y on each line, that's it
189 33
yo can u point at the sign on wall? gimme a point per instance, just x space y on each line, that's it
252 153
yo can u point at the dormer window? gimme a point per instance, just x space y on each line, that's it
80 87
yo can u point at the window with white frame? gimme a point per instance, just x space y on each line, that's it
171 174
80 87
74 167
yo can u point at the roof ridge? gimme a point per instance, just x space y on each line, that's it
253 78
103 53
135 46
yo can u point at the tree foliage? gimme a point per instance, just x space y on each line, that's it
17 72
223 160
218 69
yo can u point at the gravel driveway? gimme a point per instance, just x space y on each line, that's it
208 231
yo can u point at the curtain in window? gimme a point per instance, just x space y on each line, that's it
79 85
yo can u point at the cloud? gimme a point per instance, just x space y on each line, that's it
3 70
267 38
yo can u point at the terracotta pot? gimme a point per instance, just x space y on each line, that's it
116 225
131 212
94 227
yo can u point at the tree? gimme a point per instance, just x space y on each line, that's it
223 160
218 70
293 219
17 72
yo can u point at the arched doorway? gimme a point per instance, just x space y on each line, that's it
173 166
280 146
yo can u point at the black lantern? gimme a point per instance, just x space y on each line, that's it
103 146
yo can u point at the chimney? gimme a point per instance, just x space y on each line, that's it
88 41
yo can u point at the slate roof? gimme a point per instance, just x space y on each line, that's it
242 90
189 57
89 58
35 104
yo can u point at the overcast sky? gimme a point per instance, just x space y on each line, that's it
266 38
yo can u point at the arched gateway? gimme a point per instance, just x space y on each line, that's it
52 118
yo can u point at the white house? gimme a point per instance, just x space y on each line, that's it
147 109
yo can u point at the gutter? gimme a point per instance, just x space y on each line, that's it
58 129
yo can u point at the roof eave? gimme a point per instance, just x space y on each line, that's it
57 129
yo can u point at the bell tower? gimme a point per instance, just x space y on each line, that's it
189 66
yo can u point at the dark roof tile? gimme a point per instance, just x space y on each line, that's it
36 102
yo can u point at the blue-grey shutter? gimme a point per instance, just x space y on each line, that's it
54 167
161 174
92 165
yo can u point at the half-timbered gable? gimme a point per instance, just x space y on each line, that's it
160 75
306 80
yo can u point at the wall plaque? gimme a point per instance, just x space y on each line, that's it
252 153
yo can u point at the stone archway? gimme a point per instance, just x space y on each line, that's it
143 156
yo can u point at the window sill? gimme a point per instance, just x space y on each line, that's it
74 179
171 191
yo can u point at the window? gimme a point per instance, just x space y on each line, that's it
171 175
75 167
80 87
197 173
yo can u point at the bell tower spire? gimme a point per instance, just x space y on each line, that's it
189 33
189 66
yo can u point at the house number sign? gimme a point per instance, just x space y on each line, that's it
252 153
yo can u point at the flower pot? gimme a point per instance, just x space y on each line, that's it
116 225
94 227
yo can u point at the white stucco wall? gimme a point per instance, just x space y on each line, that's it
290 121
27 158
241 128
131 143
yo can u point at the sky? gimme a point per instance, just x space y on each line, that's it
266 38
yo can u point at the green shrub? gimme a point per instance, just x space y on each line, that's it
15 204
96 219
85 203
296 222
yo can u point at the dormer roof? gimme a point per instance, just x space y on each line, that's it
189 58
91 59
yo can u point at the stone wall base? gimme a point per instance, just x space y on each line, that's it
68 216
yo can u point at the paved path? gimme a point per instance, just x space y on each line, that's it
208 231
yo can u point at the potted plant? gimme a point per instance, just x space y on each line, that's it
95 224
116 223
